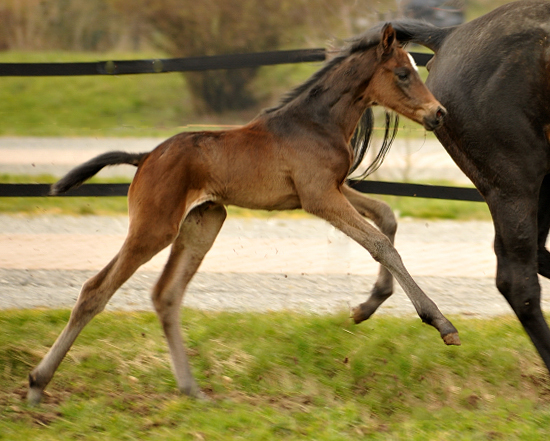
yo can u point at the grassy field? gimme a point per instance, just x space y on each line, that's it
276 376
127 105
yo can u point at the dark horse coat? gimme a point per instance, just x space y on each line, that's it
493 76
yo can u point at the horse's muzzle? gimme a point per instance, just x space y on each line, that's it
435 119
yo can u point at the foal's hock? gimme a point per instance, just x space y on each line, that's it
294 155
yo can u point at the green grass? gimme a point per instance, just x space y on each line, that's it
90 105
126 105
276 376
421 208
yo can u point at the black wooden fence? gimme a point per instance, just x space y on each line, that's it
234 61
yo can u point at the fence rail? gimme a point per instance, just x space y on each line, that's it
233 61
127 67
371 187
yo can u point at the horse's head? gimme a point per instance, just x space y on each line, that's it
397 85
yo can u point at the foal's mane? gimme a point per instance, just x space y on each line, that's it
361 140
361 44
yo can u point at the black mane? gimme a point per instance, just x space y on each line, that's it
360 44
361 140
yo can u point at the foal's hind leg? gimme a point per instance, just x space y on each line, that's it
382 216
138 248
196 236
332 206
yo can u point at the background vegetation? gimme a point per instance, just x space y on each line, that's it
191 28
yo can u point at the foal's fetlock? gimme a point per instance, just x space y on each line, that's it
364 311
195 392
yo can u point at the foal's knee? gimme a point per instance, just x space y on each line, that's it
91 301
382 250
161 303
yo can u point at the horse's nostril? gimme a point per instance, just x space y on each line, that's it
440 114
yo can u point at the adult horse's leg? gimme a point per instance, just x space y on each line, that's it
140 245
544 227
514 186
383 217
196 236
516 249
333 206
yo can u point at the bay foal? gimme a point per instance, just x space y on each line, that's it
294 155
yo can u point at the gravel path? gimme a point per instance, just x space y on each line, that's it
256 265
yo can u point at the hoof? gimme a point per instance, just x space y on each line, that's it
195 393
34 396
356 315
360 314
452 339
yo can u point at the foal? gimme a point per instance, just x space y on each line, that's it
294 155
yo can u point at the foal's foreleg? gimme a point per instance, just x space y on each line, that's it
383 217
335 208
196 236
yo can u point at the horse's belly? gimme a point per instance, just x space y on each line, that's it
256 199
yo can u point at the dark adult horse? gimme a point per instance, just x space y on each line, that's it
493 76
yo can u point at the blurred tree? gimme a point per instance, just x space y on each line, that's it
189 28
186 28
91 25
438 12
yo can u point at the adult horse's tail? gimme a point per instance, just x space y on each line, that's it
85 171
421 32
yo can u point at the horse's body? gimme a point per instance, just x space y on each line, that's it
493 76
295 155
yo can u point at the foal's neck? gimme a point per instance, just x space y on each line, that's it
338 100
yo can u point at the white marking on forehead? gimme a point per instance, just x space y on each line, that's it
413 62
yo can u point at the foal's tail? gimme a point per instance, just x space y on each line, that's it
85 171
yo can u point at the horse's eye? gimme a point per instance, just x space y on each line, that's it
402 74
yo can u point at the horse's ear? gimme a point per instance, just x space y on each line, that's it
388 39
